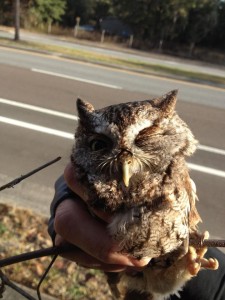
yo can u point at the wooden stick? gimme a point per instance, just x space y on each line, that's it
207 243
57 250
22 177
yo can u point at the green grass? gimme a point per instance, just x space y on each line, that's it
112 61
3 229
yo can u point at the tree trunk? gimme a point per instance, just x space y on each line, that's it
17 20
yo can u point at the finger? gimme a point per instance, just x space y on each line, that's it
87 261
77 188
74 223
73 183
139 264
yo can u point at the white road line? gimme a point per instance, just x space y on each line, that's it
35 127
77 79
74 117
70 136
207 170
39 109
211 149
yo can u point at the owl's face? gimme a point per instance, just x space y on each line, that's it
126 141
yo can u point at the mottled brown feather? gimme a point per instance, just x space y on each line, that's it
156 214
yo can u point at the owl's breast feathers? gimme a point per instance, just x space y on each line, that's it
154 215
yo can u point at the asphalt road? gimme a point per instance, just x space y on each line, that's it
37 121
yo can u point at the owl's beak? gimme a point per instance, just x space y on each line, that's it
126 172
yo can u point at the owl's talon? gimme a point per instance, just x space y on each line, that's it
201 251
194 268
193 263
210 263
200 237
205 235
196 261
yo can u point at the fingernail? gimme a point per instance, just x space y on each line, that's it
145 260
142 262
130 264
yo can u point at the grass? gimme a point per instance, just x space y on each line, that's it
112 61
3 229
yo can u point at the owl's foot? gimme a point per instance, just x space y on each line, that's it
196 260
199 237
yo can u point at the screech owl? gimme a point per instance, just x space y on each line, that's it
130 158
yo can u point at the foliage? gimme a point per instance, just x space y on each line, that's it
153 20
45 11
102 9
202 18
157 23
89 11
217 37
158 20
84 9
5 12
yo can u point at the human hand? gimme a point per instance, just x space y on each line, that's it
74 224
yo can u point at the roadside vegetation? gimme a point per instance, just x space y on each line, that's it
194 28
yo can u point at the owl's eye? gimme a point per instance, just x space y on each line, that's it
98 144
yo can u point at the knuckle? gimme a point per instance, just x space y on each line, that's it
61 221
58 224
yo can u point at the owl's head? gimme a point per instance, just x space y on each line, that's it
119 141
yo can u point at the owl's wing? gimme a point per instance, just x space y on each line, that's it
194 217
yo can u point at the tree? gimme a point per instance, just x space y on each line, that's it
102 9
46 11
154 20
6 12
216 38
202 18
78 8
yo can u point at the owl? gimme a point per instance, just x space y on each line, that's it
130 158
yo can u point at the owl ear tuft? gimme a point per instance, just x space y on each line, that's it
166 104
84 108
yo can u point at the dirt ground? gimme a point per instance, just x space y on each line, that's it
22 231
